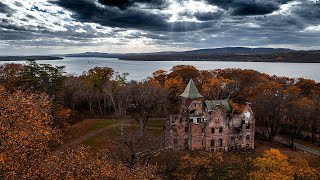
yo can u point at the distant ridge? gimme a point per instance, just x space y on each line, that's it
225 50
25 58
239 50
232 54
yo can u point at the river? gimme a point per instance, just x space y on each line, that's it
139 70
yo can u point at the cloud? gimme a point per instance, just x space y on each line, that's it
249 7
117 25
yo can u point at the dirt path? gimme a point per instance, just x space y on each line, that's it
93 133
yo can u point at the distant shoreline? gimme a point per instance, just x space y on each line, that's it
25 58
219 61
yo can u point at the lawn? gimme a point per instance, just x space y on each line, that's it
85 127
156 122
101 123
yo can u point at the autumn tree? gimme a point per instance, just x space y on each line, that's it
275 165
10 74
97 79
26 133
186 72
198 165
272 165
219 88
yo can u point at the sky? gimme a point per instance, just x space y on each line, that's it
39 27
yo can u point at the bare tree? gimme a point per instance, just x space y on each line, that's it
134 148
297 118
269 110
146 100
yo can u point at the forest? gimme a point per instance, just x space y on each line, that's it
39 104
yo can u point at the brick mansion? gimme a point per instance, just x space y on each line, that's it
209 124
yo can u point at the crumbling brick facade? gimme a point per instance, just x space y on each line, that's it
209 125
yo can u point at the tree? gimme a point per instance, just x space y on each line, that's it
297 117
146 100
198 165
135 150
272 165
26 133
275 165
42 78
10 75
269 107
97 79
186 72
219 88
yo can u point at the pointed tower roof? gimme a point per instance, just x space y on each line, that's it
191 91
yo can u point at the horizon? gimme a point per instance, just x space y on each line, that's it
138 26
80 52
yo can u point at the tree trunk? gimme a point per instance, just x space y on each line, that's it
142 123
292 142
313 134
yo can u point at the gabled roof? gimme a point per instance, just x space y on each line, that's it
191 91
211 104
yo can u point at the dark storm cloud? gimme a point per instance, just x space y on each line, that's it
134 17
124 4
234 23
208 16
249 7
4 8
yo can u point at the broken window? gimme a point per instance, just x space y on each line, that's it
233 141
199 120
220 130
186 143
212 143
212 130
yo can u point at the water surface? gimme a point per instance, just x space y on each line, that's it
139 70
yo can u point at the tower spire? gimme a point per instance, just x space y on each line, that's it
191 91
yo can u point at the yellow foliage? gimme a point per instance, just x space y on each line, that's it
273 165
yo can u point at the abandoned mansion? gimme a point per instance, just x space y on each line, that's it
209 124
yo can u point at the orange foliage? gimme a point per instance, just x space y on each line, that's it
272 165
26 133
197 165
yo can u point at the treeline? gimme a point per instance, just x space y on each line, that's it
38 100
279 103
